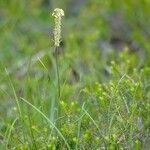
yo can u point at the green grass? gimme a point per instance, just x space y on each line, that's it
104 98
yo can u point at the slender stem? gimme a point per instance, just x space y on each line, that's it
57 70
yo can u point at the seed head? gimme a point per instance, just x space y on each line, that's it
58 14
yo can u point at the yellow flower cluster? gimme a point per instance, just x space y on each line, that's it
58 14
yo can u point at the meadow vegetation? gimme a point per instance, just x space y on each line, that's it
104 70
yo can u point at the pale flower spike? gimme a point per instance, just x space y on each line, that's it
58 14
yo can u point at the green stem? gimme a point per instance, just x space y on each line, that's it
57 71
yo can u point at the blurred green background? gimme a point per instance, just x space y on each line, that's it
94 32
26 26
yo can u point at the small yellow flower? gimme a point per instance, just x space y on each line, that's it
58 13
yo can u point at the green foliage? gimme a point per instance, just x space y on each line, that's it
105 92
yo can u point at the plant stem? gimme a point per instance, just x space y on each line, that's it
57 70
